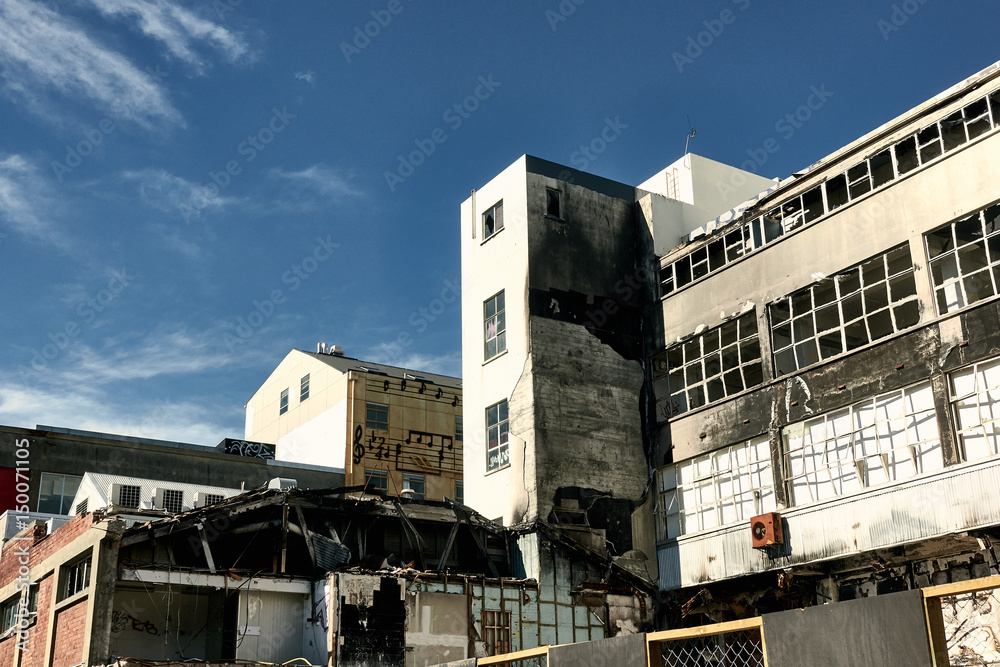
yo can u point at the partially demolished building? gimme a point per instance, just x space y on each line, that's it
278 574
786 391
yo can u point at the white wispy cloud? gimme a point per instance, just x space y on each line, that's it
27 201
443 364
319 179
170 193
43 52
190 421
94 388
178 29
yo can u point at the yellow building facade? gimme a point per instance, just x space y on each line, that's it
393 430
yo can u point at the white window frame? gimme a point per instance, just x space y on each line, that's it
882 439
496 211
283 402
498 455
304 388
495 325
974 394
958 275
708 491
75 577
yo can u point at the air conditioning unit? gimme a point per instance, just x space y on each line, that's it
125 495
766 530
171 500
201 499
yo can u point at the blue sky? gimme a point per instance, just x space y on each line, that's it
189 189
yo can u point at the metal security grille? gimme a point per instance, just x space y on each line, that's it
173 500
743 648
129 496
972 627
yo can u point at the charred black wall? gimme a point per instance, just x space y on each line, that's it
374 636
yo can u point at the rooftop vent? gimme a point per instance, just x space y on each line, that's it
325 348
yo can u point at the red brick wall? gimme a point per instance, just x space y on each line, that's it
70 621
70 629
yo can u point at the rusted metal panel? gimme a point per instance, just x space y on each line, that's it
956 499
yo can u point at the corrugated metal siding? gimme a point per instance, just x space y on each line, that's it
270 626
947 502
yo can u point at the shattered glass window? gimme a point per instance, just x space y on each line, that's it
965 259
845 311
881 439
497 453
496 326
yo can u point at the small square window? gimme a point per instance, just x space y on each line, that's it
377 416
416 484
283 405
304 388
495 326
553 203
376 479
493 220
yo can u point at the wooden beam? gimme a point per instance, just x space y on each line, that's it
206 548
306 535
706 630
447 546
541 651
970 586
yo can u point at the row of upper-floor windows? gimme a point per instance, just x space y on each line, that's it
885 438
840 313
492 218
760 228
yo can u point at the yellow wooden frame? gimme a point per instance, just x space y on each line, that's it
932 612
653 654
541 651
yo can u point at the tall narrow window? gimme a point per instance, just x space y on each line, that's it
496 326
458 428
975 398
553 203
497 455
377 416
283 404
304 388
460 491
493 220
75 578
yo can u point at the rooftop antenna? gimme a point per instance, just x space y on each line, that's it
690 135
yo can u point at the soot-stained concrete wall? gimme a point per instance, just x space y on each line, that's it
587 289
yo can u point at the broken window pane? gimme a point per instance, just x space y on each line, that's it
978 286
848 282
812 203
791 214
716 390
944 268
801 303
824 293
881 168
806 354
995 107
876 297
929 140
873 270
729 332
991 217
857 177
855 335
902 287
734 382
734 245
907 315
755 234
716 255
749 350
953 131
993 243
784 362
699 263
836 192
779 311
906 155
827 318
753 374
772 229
851 307
802 328
782 336
713 365
898 260
682 271
968 230
667 279
972 257
977 118
879 325
748 324
939 241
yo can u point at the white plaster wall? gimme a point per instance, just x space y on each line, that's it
500 263
320 441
